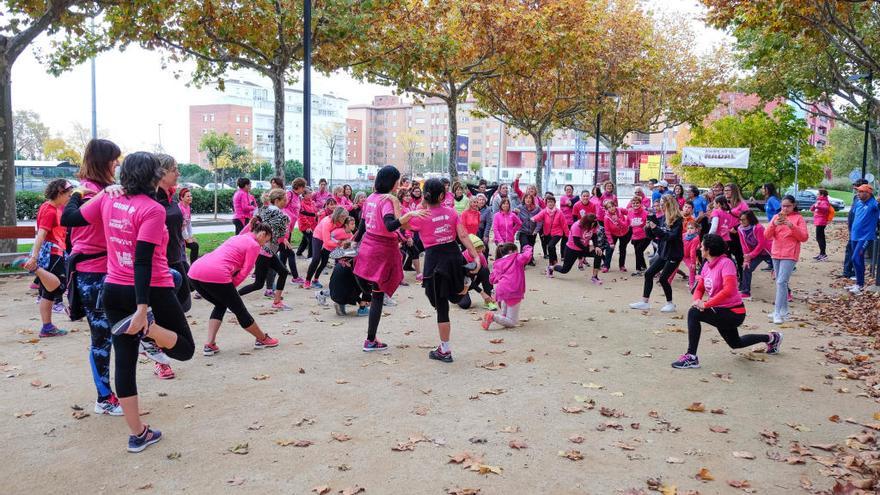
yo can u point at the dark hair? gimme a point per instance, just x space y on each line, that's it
590 219
723 203
771 190
689 202
714 244
140 173
325 180
550 198
597 190
789 197
298 183
243 182
652 181
434 191
56 187
482 182
675 193
386 177
695 191
258 228
445 181
750 217
277 180
97 157
823 192
504 249
182 192
501 203
568 185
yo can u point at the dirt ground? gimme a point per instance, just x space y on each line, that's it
581 348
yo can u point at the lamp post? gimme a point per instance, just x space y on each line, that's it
870 78
307 91
616 98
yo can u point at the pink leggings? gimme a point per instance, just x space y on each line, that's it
508 315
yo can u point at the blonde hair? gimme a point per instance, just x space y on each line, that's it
670 209
339 215
276 195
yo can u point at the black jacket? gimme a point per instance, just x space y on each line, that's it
669 242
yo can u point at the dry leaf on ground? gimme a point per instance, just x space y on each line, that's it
294 443
696 407
742 454
517 444
704 475
321 490
574 455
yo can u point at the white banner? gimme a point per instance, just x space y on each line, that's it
626 176
715 157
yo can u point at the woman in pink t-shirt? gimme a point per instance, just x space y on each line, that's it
243 204
139 295
379 264
444 273
738 206
217 274
638 217
87 266
580 245
724 308
617 230
505 223
322 253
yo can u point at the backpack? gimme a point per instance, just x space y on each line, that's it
831 213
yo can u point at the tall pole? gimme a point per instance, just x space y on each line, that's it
307 91
867 125
500 147
94 94
797 164
596 162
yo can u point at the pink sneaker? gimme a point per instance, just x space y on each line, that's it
298 280
488 318
623 269
266 342
596 281
280 306
307 284
163 371
604 269
419 278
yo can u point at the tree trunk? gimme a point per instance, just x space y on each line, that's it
612 167
331 167
215 191
539 162
278 89
7 155
452 108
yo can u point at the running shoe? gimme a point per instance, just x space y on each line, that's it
404 283
686 361
163 371
280 306
34 286
623 269
59 308
110 407
150 350
668 308
298 280
269 293
196 295
317 284
137 443
420 277
266 342
321 297
745 296
122 325
307 285
53 331
778 320
637 273
389 301
210 349
549 272
767 269
604 269
362 311
596 281
375 345
822 257
790 299
488 318
340 309
642 305
491 306
775 343
439 355
855 289
581 265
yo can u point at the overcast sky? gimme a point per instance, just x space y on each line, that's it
136 95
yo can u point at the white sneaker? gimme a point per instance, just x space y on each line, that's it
855 289
389 302
778 320
321 298
108 408
668 308
851 287
853 278
150 350
640 305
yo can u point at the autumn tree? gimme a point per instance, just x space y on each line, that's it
775 141
437 48
222 153
56 148
333 135
20 23
818 51
29 133
668 85
261 35
412 145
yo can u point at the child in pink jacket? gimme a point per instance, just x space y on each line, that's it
691 245
821 209
509 278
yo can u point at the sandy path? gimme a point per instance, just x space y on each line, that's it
576 334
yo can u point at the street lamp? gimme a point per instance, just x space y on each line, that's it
616 98
870 77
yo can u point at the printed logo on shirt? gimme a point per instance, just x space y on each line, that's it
124 207
124 259
707 283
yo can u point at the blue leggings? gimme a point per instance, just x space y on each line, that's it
90 286
858 260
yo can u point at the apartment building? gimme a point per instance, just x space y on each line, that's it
235 120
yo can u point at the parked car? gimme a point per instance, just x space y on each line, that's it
261 184
190 185
216 185
806 197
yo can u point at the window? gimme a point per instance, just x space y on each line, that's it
420 121
204 117
246 133
568 177
476 154
204 131
477 130
822 131
238 118
238 132
212 117
246 119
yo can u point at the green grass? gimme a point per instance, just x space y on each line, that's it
845 196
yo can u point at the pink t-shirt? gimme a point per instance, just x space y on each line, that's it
128 219
580 209
334 237
90 239
576 232
713 280
438 227
726 221
449 200
739 209
637 220
322 231
375 209
231 262
294 203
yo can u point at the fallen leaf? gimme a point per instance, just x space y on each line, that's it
321 490
295 443
403 447
751 356
486 469
421 314
341 382
573 409
493 391
798 427
79 414
739 483
674 460
717 411
530 359
173 456
145 487
510 429
420 410
770 437
718 429
517 444
834 419
572 344
463 491
188 406
804 388
877 416
623 446
696 407
824 446
576 439
340 437
492 366
704 475
353 490
574 455
261 377
240 449
496 341
593 386
742 454
256 425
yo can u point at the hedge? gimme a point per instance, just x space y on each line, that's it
27 203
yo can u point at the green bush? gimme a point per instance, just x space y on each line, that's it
203 201
27 203
838 183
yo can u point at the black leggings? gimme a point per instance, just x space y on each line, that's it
640 246
184 292
410 254
727 322
320 256
665 268
736 252
820 238
527 240
239 225
621 242
287 256
193 251
552 241
264 263
377 300
439 301
571 256
305 244
119 302
223 297
479 283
